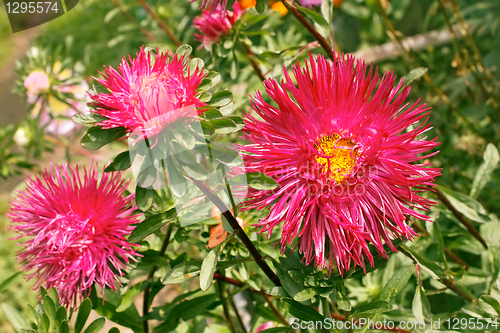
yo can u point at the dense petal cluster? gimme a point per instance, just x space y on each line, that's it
213 25
345 151
75 228
149 93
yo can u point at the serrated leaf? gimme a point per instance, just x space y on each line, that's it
415 74
96 137
183 272
396 283
96 325
83 314
483 174
151 224
144 197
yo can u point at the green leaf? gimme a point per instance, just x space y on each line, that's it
15 318
183 272
44 323
32 314
490 305
343 302
121 162
278 292
90 119
64 327
191 308
49 307
184 51
5 284
151 224
420 305
396 283
221 98
300 311
196 171
373 307
483 174
291 286
83 314
240 123
208 268
260 6
96 325
433 269
223 126
318 18
195 63
306 294
177 182
466 205
96 137
210 81
227 109
144 197
128 318
114 330
260 181
129 296
415 74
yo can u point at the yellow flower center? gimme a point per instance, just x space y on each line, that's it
336 154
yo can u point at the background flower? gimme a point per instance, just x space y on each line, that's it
214 25
76 227
342 160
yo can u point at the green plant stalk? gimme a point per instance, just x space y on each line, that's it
145 304
160 23
240 321
224 306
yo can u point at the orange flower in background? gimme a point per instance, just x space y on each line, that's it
337 3
279 7
217 233
247 4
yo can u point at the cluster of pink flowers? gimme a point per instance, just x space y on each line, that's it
75 228
342 159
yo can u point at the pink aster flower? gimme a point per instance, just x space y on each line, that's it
149 93
75 227
214 25
37 82
265 326
340 146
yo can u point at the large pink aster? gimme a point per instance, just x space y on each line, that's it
340 146
75 227
214 25
149 93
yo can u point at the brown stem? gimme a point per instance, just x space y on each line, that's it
255 66
160 22
145 304
456 259
236 226
273 308
461 218
130 18
298 15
